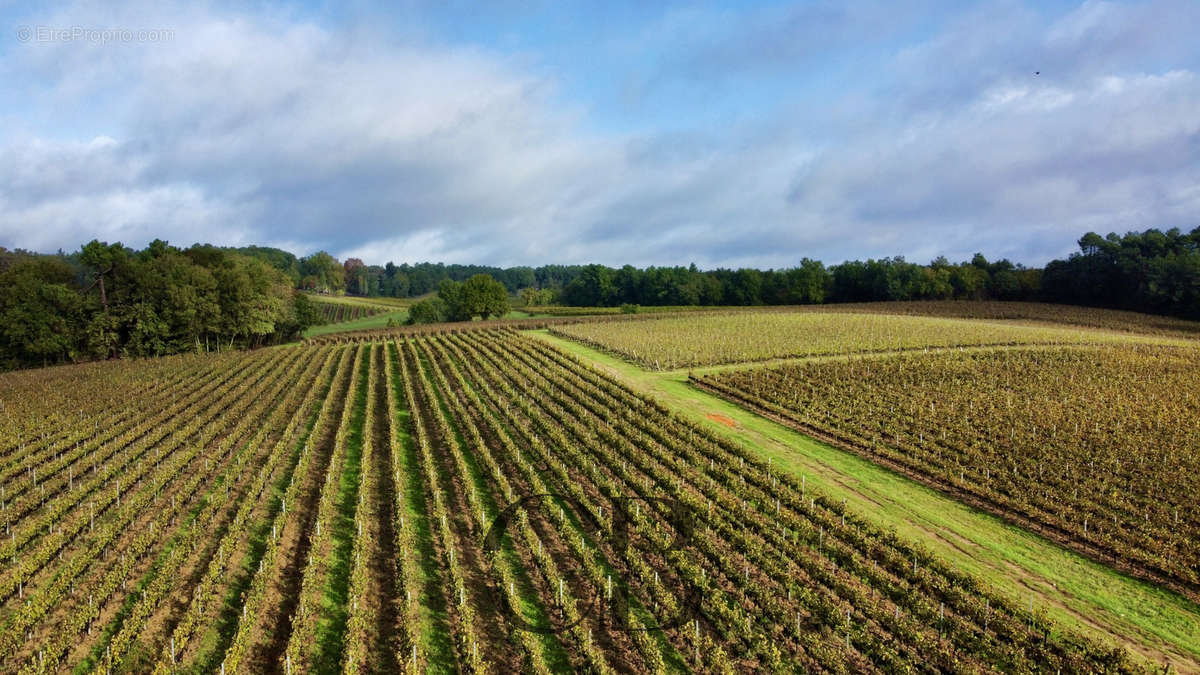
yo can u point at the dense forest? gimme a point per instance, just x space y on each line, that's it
108 300
1153 271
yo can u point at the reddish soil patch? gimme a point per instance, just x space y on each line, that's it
721 419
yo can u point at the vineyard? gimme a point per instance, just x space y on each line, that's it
566 310
338 312
1097 446
704 340
476 501
990 310
1039 312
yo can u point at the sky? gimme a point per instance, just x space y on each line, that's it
724 134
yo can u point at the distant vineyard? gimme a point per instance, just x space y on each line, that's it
1025 313
337 312
690 341
323 508
994 310
1099 445
564 310
527 323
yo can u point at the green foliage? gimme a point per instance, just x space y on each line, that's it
9 258
536 297
40 314
629 308
593 287
148 334
282 260
483 296
102 337
1151 271
480 296
806 284
430 310
99 256
451 294
108 300
306 312
322 272
809 283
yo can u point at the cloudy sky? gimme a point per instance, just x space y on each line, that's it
510 132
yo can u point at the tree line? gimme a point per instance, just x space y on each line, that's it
600 286
108 300
323 273
1152 271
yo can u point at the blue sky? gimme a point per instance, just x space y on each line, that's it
725 134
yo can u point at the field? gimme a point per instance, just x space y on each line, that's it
376 301
992 310
704 340
337 312
340 314
564 310
1074 590
1038 312
1082 441
363 507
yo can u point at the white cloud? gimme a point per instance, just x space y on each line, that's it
269 128
996 175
